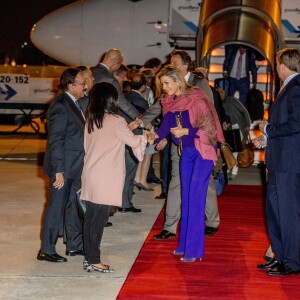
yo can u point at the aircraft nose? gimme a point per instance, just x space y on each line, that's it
60 33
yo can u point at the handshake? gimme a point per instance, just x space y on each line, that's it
150 136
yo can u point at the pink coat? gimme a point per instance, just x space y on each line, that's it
103 172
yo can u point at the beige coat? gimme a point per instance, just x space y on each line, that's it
103 172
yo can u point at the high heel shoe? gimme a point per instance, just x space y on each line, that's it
141 186
177 253
188 259
135 183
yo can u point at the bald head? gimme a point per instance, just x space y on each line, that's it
113 59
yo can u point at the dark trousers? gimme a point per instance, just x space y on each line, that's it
62 201
195 173
131 164
242 85
283 217
95 219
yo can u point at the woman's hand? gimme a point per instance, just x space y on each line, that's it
134 124
151 136
59 181
162 144
179 132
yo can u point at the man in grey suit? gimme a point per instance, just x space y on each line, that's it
103 72
63 164
183 62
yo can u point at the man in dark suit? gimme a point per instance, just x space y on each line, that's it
238 63
63 164
282 139
138 86
103 72
111 62
84 101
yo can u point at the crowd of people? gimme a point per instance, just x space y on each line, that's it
109 120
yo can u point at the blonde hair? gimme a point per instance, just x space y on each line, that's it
175 75
290 57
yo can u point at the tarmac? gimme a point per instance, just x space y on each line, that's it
23 196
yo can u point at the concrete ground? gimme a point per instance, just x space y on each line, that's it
23 194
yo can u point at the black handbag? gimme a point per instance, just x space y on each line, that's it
81 204
233 138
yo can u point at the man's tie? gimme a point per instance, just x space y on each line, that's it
239 68
78 106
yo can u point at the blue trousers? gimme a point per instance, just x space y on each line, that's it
195 173
242 85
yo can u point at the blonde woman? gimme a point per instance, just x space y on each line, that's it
193 122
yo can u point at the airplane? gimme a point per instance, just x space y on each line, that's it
81 32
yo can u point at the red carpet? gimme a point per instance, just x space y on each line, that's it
228 270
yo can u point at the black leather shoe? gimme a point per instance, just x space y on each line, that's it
282 270
153 180
269 266
210 231
50 257
165 234
129 209
108 224
74 252
161 196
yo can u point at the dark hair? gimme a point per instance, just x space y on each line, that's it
186 59
103 100
68 77
121 69
138 80
82 68
152 63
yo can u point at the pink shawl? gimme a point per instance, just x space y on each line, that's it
202 115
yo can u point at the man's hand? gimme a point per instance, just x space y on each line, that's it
162 144
262 125
59 181
260 142
149 126
179 132
134 124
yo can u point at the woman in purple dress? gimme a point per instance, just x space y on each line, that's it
193 122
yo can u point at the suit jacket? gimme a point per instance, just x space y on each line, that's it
64 150
283 147
101 73
137 101
250 62
83 102
201 83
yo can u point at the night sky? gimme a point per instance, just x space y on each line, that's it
17 18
